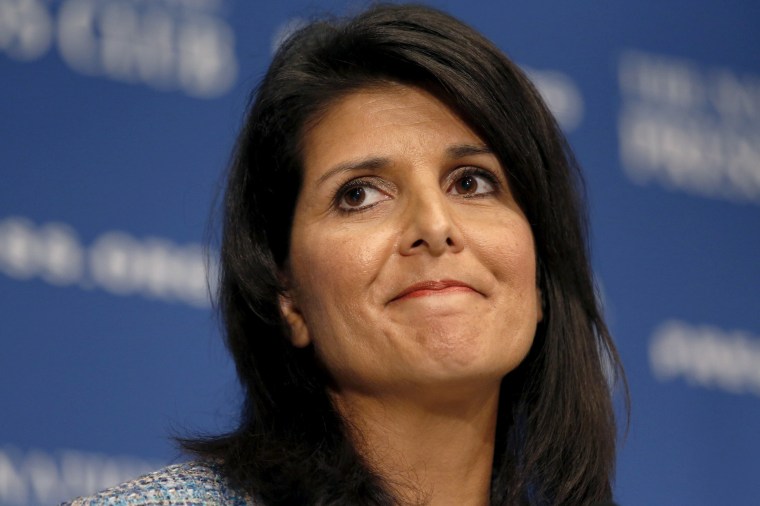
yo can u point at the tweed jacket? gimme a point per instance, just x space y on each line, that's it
189 484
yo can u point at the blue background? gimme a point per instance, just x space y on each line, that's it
102 369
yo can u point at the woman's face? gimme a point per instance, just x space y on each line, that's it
411 265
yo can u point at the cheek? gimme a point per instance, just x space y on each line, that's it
333 266
509 254
334 274
333 271
506 248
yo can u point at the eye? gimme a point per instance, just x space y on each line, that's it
359 195
473 182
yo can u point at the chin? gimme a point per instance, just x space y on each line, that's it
464 351
474 370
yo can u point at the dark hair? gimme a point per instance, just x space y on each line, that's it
556 430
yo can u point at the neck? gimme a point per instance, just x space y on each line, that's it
427 452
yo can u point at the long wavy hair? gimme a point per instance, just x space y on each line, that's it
556 430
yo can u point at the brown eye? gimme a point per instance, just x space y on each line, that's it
474 184
355 196
359 196
465 185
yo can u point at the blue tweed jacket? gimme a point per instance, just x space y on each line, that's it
188 484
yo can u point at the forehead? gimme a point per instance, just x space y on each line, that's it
382 121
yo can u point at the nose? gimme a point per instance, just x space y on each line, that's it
430 226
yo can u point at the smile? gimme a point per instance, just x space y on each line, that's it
430 288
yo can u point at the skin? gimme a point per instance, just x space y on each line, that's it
398 191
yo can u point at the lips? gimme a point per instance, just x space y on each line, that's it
427 288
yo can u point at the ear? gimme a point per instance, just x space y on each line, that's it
299 332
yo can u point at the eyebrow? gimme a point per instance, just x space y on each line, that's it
463 150
376 163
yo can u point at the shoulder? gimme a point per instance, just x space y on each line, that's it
191 483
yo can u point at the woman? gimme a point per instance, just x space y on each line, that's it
405 284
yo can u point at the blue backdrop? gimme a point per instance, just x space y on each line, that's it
116 121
